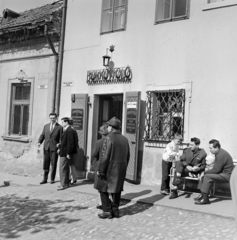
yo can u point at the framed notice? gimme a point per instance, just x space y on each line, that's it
131 120
77 117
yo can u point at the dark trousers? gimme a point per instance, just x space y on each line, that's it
109 206
165 181
64 171
50 158
180 168
207 181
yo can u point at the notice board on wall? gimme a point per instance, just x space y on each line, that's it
77 117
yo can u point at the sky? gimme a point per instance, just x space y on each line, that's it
21 5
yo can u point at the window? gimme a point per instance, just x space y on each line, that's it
169 10
20 108
164 114
113 15
210 4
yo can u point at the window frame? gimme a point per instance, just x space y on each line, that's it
172 19
113 10
209 6
187 86
160 122
9 109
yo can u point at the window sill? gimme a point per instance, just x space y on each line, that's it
23 139
162 144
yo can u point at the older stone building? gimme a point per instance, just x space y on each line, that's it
29 43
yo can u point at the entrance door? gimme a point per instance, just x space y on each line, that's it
132 125
110 106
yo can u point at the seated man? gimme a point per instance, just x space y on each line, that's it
191 162
221 171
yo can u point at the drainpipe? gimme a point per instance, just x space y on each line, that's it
61 51
55 67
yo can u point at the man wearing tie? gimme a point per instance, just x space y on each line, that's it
50 135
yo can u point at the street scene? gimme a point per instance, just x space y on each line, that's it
118 119
36 212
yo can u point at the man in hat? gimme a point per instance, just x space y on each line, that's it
112 168
99 183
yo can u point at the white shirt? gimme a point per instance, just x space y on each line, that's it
170 152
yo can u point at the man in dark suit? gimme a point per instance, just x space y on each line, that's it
50 136
220 173
68 147
192 162
112 168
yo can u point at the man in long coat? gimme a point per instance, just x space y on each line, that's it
50 135
112 168
99 183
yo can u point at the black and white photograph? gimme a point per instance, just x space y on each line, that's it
118 119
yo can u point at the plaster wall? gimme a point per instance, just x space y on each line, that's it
41 70
200 50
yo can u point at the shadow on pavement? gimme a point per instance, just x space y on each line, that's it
85 182
36 215
152 199
133 209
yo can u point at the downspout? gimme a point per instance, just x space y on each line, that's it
55 68
61 52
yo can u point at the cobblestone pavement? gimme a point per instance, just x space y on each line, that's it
38 212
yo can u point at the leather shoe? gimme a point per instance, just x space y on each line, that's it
43 182
174 194
105 215
99 207
202 202
62 188
198 198
164 192
52 182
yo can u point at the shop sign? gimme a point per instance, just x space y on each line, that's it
77 117
109 76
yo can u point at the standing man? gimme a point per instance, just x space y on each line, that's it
220 173
68 147
112 168
50 136
192 162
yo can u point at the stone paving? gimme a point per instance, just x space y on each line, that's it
37 212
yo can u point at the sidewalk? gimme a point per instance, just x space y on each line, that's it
137 193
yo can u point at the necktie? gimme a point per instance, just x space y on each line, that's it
51 127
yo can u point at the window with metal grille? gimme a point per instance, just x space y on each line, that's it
113 15
20 107
169 10
164 114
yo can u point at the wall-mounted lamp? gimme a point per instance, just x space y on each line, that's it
73 98
106 58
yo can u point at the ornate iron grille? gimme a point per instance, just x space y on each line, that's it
164 114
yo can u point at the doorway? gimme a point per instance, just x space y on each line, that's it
110 106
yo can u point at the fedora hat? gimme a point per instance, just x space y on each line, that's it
114 122
103 129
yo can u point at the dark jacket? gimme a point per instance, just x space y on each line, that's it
223 163
51 139
68 145
114 160
99 184
197 158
